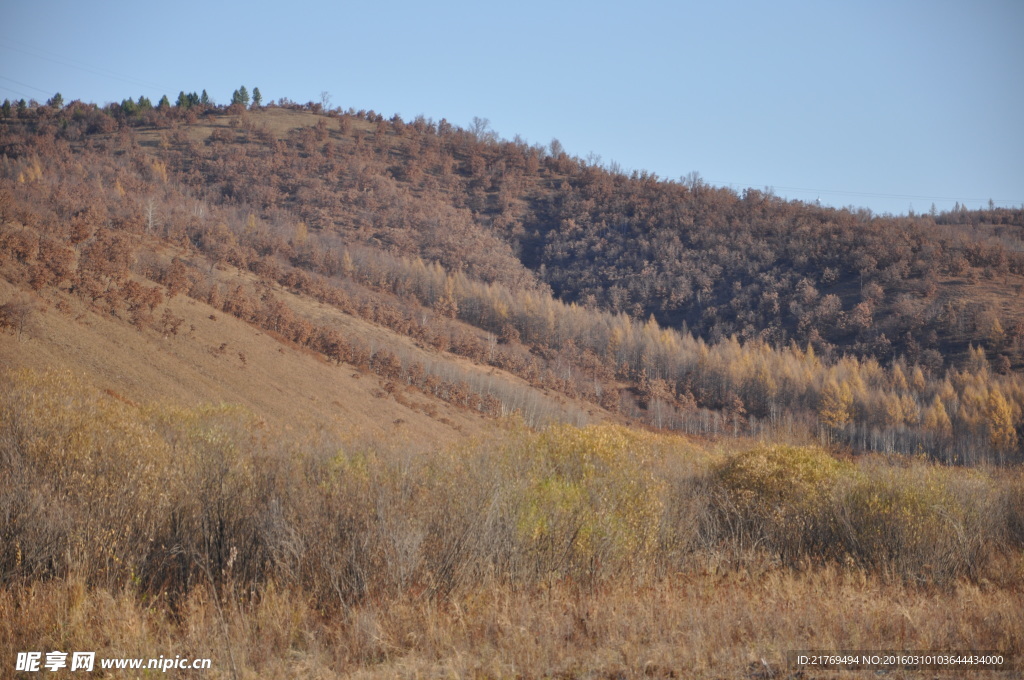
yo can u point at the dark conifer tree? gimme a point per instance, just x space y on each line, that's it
240 96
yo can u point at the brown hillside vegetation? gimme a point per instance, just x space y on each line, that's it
456 239
328 394
190 352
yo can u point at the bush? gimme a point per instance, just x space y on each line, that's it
589 501
919 521
781 498
922 521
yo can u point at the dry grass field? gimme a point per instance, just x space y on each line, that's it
140 530
738 624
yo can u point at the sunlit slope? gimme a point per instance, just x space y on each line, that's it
217 358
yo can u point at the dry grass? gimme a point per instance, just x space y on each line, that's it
288 387
737 624
277 121
575 553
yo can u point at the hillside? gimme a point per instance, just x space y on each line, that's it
687 253
195 354
672 303
323 394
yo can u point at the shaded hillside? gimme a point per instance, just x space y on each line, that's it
425 255
758 266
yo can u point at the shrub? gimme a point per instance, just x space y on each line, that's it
590 502
921 521
780 498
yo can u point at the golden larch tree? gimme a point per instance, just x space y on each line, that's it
836 404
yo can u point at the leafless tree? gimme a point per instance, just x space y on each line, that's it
16 315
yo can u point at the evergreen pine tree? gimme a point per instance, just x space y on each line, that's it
240 96
257 98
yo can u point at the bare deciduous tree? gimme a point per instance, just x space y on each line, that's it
17 315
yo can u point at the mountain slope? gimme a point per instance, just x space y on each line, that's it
720 262
426 255
225 360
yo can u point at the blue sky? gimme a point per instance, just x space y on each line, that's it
886 105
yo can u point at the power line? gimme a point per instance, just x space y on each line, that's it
31 87
17 92
35 52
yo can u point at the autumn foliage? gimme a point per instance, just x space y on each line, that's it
678 304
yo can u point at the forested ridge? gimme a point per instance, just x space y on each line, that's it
677 303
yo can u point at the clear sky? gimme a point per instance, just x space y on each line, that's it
889 105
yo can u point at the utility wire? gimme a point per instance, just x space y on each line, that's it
17 92
35 52
31 87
